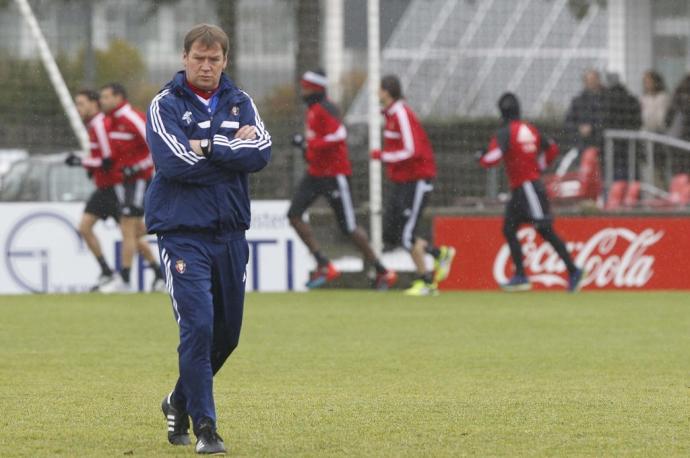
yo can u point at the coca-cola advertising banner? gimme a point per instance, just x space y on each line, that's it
617 253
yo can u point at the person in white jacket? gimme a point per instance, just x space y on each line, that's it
655 102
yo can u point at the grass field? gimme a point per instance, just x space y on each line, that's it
359 374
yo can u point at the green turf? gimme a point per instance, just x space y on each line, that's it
359 374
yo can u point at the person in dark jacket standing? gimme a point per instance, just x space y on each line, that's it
623 111
587 113
206 136
678 115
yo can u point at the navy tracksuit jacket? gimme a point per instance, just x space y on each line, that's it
199 209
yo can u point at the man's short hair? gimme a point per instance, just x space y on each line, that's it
207 35
116 88
391 84
509 105
89 94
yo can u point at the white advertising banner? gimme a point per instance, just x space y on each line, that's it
42 251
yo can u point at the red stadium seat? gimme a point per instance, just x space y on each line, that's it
678 193
679 190
632 195
614 200
583 184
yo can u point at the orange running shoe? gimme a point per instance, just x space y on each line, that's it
385 280
323 275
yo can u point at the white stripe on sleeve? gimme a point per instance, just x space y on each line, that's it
339 135
405 129
494 155
263 139
101 135
134 118
407 150
158 127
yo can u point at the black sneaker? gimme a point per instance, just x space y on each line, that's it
178 423
208 442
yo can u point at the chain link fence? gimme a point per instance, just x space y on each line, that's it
454 57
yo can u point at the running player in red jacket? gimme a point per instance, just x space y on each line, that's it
526 154
132 158
411 166
328 173
102 204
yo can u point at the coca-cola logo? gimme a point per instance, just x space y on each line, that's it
612 256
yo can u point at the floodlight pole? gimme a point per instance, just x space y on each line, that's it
374 115
55 76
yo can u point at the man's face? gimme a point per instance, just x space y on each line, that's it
204 65
385 98
307 91
592 81
109 101
86 107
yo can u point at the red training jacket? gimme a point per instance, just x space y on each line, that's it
100 148
407 151
325 133
128 139
524 150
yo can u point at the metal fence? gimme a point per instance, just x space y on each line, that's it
650 158
455 57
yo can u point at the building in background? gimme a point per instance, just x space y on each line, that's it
266 34
453 55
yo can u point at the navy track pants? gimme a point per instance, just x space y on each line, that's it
205 275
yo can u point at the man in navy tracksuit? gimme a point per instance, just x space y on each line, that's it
206 136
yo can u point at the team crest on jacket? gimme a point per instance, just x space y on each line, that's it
235 110
180 266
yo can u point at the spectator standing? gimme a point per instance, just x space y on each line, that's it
678 115
586 115
655 102
622 112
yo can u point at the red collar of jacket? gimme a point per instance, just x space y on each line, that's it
201 92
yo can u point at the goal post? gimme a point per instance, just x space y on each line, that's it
55 76
374 121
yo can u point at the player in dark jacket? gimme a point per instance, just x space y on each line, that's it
206 136
526 154
328 175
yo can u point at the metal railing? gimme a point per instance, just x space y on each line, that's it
650 140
